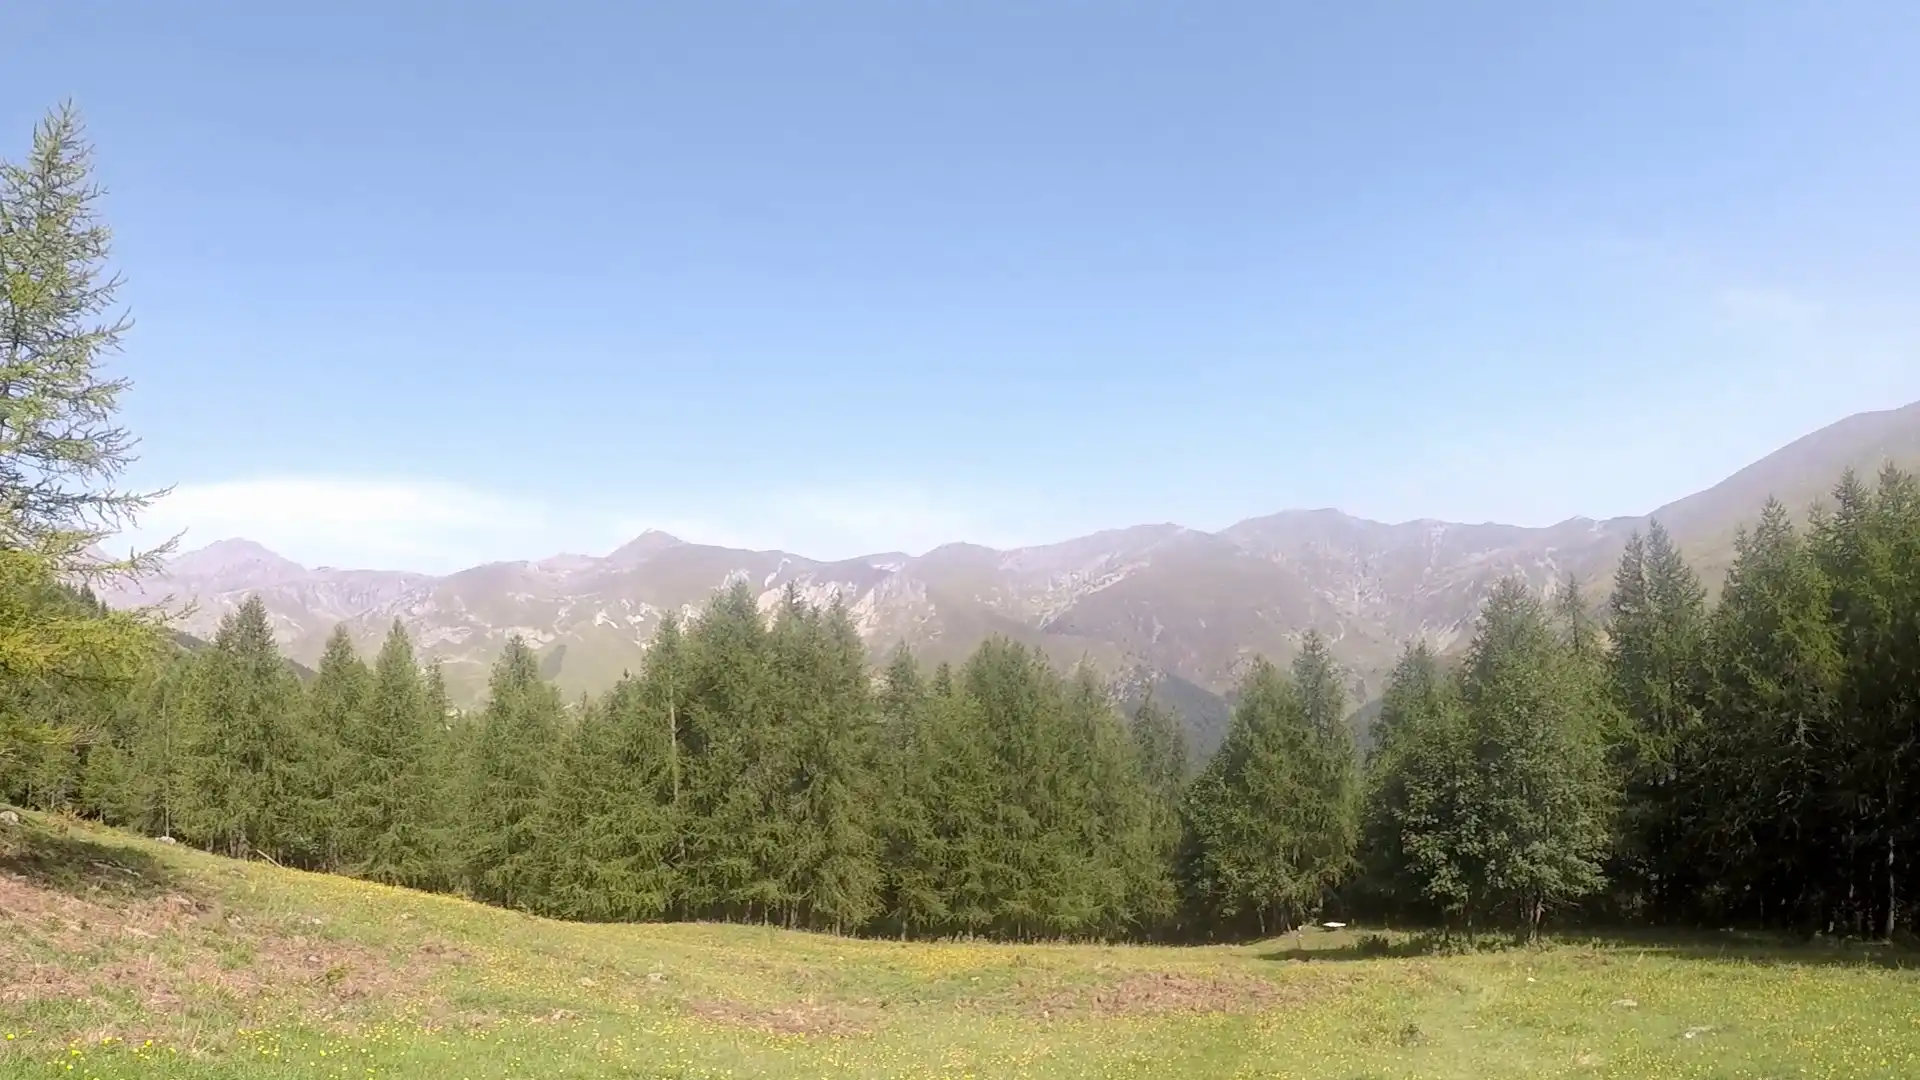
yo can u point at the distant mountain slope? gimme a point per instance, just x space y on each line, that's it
1153 605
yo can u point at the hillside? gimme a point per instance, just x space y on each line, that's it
1151 603
122 957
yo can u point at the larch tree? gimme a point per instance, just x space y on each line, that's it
1771 730
388 787
508 779
317 794
1418 697
1656 629
62 449
1542 821
1260 811
243 751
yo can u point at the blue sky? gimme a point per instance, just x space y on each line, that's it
428 284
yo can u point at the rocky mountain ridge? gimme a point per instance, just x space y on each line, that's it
1152 605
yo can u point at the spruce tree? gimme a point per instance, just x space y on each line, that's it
1332 768
728 837
1134 887
509 776
1770 734
319 794
837 878
243 752
1418 696
1266 822
1864 549
606 823
1541 820
1035 864
1160 747
388 786
1656 666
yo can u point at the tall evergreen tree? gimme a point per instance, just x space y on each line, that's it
1265 820
511 769
61 448
1160 747
606 823
1419 696
319 793
1334 777
1770 731
1134 884
728 838
1656 666
1036 866
1513 798
243 752
388 789
1864 549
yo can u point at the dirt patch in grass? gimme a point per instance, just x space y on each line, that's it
164 950
1165 993
800 1019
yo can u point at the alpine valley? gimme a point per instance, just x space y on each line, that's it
1160 607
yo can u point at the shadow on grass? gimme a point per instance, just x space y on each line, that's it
1770 948
1712 946
1347 948
48 854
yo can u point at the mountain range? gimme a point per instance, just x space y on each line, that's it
1162 607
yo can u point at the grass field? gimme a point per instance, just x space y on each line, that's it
120 957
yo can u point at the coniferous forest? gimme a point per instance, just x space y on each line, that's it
1648 757
1660 760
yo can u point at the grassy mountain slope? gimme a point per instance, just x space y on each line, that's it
123 958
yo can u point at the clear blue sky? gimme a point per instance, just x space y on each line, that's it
425 284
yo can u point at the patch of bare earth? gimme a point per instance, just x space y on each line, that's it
1165 993
170 949
799 1019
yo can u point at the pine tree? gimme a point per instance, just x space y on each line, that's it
838 878
728 838
447 772
243 750
1033 860
1265 815
1418 696
1656 666
606 823
1133 884
1333 770
942 810
1503 798
1544 799
1864 550
1770 731
60 448
511 769
319 793
1160 747
387 784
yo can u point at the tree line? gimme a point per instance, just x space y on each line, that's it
1654 760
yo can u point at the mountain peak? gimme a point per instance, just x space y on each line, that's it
235 554
643 547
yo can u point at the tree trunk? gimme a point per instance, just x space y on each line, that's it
1893 896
